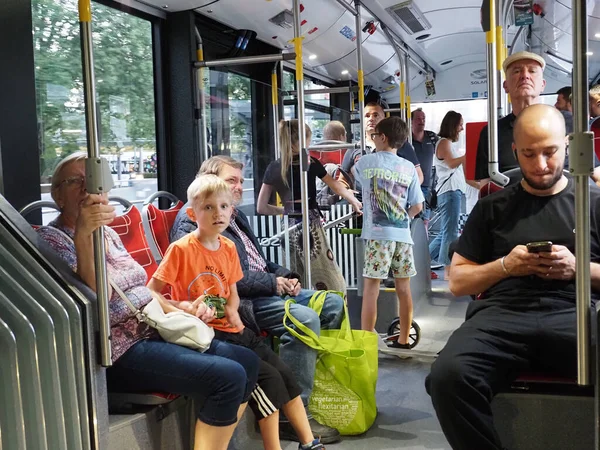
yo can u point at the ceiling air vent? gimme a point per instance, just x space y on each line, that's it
409 16
285 19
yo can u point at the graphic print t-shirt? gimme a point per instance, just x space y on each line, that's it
389 185
193 270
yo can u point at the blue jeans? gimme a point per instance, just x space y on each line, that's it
219 380
269 313
449 204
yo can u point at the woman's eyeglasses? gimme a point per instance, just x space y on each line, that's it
374 134
73 181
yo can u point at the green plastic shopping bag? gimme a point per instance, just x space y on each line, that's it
343 395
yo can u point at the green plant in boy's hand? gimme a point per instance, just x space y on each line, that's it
216 302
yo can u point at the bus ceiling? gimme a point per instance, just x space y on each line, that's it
445 41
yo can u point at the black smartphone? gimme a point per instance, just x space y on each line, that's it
537 247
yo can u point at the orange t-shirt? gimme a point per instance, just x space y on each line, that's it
193 270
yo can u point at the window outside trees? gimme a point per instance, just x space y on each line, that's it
124 75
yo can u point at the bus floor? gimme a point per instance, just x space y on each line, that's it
406 419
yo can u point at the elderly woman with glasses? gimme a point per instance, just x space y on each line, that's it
220 380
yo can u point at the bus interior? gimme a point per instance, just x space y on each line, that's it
178 81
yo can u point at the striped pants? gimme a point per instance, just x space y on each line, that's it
276 383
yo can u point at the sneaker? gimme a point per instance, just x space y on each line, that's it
396 344
325 434
436 265
314 445
434 276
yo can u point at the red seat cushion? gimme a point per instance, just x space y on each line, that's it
131 231
329 157
161 221
529 377
489 188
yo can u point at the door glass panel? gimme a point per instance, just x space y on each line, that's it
124 75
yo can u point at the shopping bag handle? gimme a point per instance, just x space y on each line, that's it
318 300
309 337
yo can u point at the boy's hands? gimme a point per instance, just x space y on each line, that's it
199 309
233 317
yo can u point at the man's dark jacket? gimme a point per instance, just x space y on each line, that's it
254 284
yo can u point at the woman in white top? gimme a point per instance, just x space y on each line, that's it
450 187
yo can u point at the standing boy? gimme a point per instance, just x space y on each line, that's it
202 269
391 197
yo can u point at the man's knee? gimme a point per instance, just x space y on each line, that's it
447 376
333 311
306 316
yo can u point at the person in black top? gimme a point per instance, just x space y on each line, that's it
374 113
524 83
424 142
283 177
527 317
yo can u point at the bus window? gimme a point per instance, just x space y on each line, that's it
125 90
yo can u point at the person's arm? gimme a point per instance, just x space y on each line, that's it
157 286
470 278
419 174
596 175
407 151
231 308
262 203
94 213
340 190
415 209
595 276
196 308
444 152
415 196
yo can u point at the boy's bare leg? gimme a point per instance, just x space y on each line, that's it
368 315
296 414
269 430
405 307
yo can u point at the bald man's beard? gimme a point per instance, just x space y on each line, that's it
542 186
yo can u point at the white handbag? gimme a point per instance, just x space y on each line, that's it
176 327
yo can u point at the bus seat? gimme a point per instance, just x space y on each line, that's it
34 206
119 402
472 132
130 229
329 156
514 175
158 222
128 400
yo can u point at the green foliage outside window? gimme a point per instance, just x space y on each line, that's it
124 82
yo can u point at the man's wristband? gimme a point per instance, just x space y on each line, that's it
503 266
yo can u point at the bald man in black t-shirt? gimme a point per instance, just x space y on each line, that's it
527 317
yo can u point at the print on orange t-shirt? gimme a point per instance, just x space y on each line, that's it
193 270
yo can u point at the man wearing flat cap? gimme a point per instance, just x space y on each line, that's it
524 83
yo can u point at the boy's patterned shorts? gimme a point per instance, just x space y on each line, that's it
381 256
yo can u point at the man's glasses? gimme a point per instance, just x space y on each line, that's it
73 181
